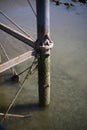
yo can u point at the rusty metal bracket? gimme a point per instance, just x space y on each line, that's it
47 44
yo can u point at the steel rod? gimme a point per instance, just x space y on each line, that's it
11 69
21 29
17 35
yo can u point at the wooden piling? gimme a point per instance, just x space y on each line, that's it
43 29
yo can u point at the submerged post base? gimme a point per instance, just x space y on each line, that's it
44 80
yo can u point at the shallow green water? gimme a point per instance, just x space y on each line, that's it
68 108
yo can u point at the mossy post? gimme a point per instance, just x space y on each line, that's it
43 28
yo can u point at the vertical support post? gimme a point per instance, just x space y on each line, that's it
0 59
43 28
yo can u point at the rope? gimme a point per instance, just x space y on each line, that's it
32 7
20 89
7 17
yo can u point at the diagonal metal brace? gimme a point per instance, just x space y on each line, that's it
17 35
15 61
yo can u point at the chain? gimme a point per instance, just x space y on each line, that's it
31 70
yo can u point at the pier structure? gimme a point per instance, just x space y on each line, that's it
40 49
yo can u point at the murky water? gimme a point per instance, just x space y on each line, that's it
68 108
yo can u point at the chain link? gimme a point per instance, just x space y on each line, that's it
31 70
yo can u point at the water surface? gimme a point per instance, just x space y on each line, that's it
68 108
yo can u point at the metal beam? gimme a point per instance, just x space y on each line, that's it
44 57
15 61
17 35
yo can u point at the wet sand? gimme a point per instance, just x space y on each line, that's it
68 108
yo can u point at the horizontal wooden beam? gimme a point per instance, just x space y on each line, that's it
15 61
17 35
